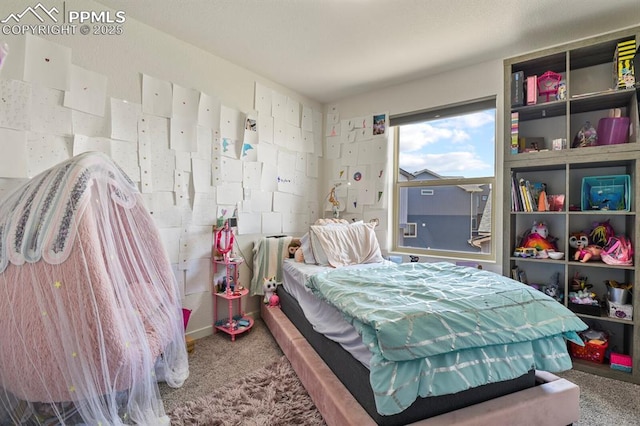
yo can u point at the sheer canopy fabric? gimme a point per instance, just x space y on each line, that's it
90 314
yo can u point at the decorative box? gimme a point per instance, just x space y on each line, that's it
617 310
517 89
532 90
623 66
606 193
621 362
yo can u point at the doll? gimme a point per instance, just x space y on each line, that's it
584 251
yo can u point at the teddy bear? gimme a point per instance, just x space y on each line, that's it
269 286
293 247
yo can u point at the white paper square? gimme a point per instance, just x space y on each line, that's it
157 96
88 91
47 63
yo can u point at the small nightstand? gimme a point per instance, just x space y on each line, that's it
230 291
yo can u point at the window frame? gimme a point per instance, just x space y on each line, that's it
411 225
397 185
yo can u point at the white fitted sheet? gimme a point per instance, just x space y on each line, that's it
324 318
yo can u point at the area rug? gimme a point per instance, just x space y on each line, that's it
272 395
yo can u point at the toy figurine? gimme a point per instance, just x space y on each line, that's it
584 251
562 91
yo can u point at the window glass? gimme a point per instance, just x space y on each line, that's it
450 156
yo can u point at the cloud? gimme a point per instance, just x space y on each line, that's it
456 163
450 146
452 130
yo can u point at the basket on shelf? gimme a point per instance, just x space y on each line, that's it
589 352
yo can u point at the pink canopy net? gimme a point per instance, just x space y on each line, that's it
90 315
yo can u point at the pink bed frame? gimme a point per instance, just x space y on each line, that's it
554 402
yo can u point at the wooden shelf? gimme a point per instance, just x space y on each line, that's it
603 370
585 66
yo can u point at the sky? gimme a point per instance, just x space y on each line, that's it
455 146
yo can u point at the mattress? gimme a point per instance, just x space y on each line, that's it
340 346
355 376
324 318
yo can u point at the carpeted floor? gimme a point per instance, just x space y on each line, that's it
272 395
221 369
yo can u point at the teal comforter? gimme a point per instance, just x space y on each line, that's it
437 328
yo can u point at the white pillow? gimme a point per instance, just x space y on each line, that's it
345 245
317 254
307 252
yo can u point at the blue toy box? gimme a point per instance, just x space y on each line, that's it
606 193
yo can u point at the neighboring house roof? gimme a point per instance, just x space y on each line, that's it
429 172
472 188
416 176
407 175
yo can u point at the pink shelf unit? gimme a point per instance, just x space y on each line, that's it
242 323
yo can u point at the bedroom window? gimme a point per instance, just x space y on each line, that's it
449 154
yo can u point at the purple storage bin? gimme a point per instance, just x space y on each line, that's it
613 130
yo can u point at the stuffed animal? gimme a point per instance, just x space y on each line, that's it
269 287
538 238
601 233
553 289
274 301
583 250
293 246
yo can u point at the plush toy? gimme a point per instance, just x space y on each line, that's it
553 289
269 287
601 233
538 238
293 246
274 301
583 250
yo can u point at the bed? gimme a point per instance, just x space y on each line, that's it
345 346
89 308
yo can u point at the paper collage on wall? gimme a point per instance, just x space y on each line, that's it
354 150
195 158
